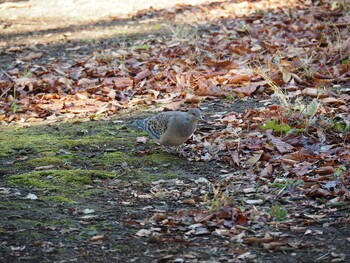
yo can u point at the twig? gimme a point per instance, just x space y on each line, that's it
7 75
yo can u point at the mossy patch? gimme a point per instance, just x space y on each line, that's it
58 199
171 175
31 235
113 158
27 223
40 162
68 185
120 247
33 180
81 145
52 179
11 205
62 161
160 158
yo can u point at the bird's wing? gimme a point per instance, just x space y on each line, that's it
158 124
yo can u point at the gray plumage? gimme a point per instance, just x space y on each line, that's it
171 127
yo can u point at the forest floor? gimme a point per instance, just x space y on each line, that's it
260 181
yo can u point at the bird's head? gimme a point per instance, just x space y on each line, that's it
195 114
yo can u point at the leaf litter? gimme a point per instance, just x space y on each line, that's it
280 161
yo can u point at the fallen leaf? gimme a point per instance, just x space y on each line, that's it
32 56
143 233
281 146
142 139
97 238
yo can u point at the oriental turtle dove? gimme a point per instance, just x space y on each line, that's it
170 128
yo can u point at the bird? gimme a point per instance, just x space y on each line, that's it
170 128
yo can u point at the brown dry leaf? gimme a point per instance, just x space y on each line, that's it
228 64
172 105
189 202
142 75
315 93
57 104
267 171
332 101
79 109
250 89
155 93
298 229
26 82
274 245
235 157
302 168
281 146
343 46
285 68
254 159
32 56
119 83
97 238
324 170
190 98
266 239
299 156
85 82
65 81
83 95
208 88
238 79
112 94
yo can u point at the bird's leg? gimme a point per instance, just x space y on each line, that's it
182 152
170 150
176 150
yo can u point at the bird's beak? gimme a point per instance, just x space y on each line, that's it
202 119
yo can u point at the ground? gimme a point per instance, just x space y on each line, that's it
97 191
97 187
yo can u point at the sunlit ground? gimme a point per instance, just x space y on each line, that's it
86 19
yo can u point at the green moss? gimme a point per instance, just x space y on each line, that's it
120 247
151 176
11 205
48 140
76 178
58 199
68 186
171 175
160 158
79 153
27 223
53 179
74 238
29 234
41 161
62 222
110 158
24 141
36 235
34 180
